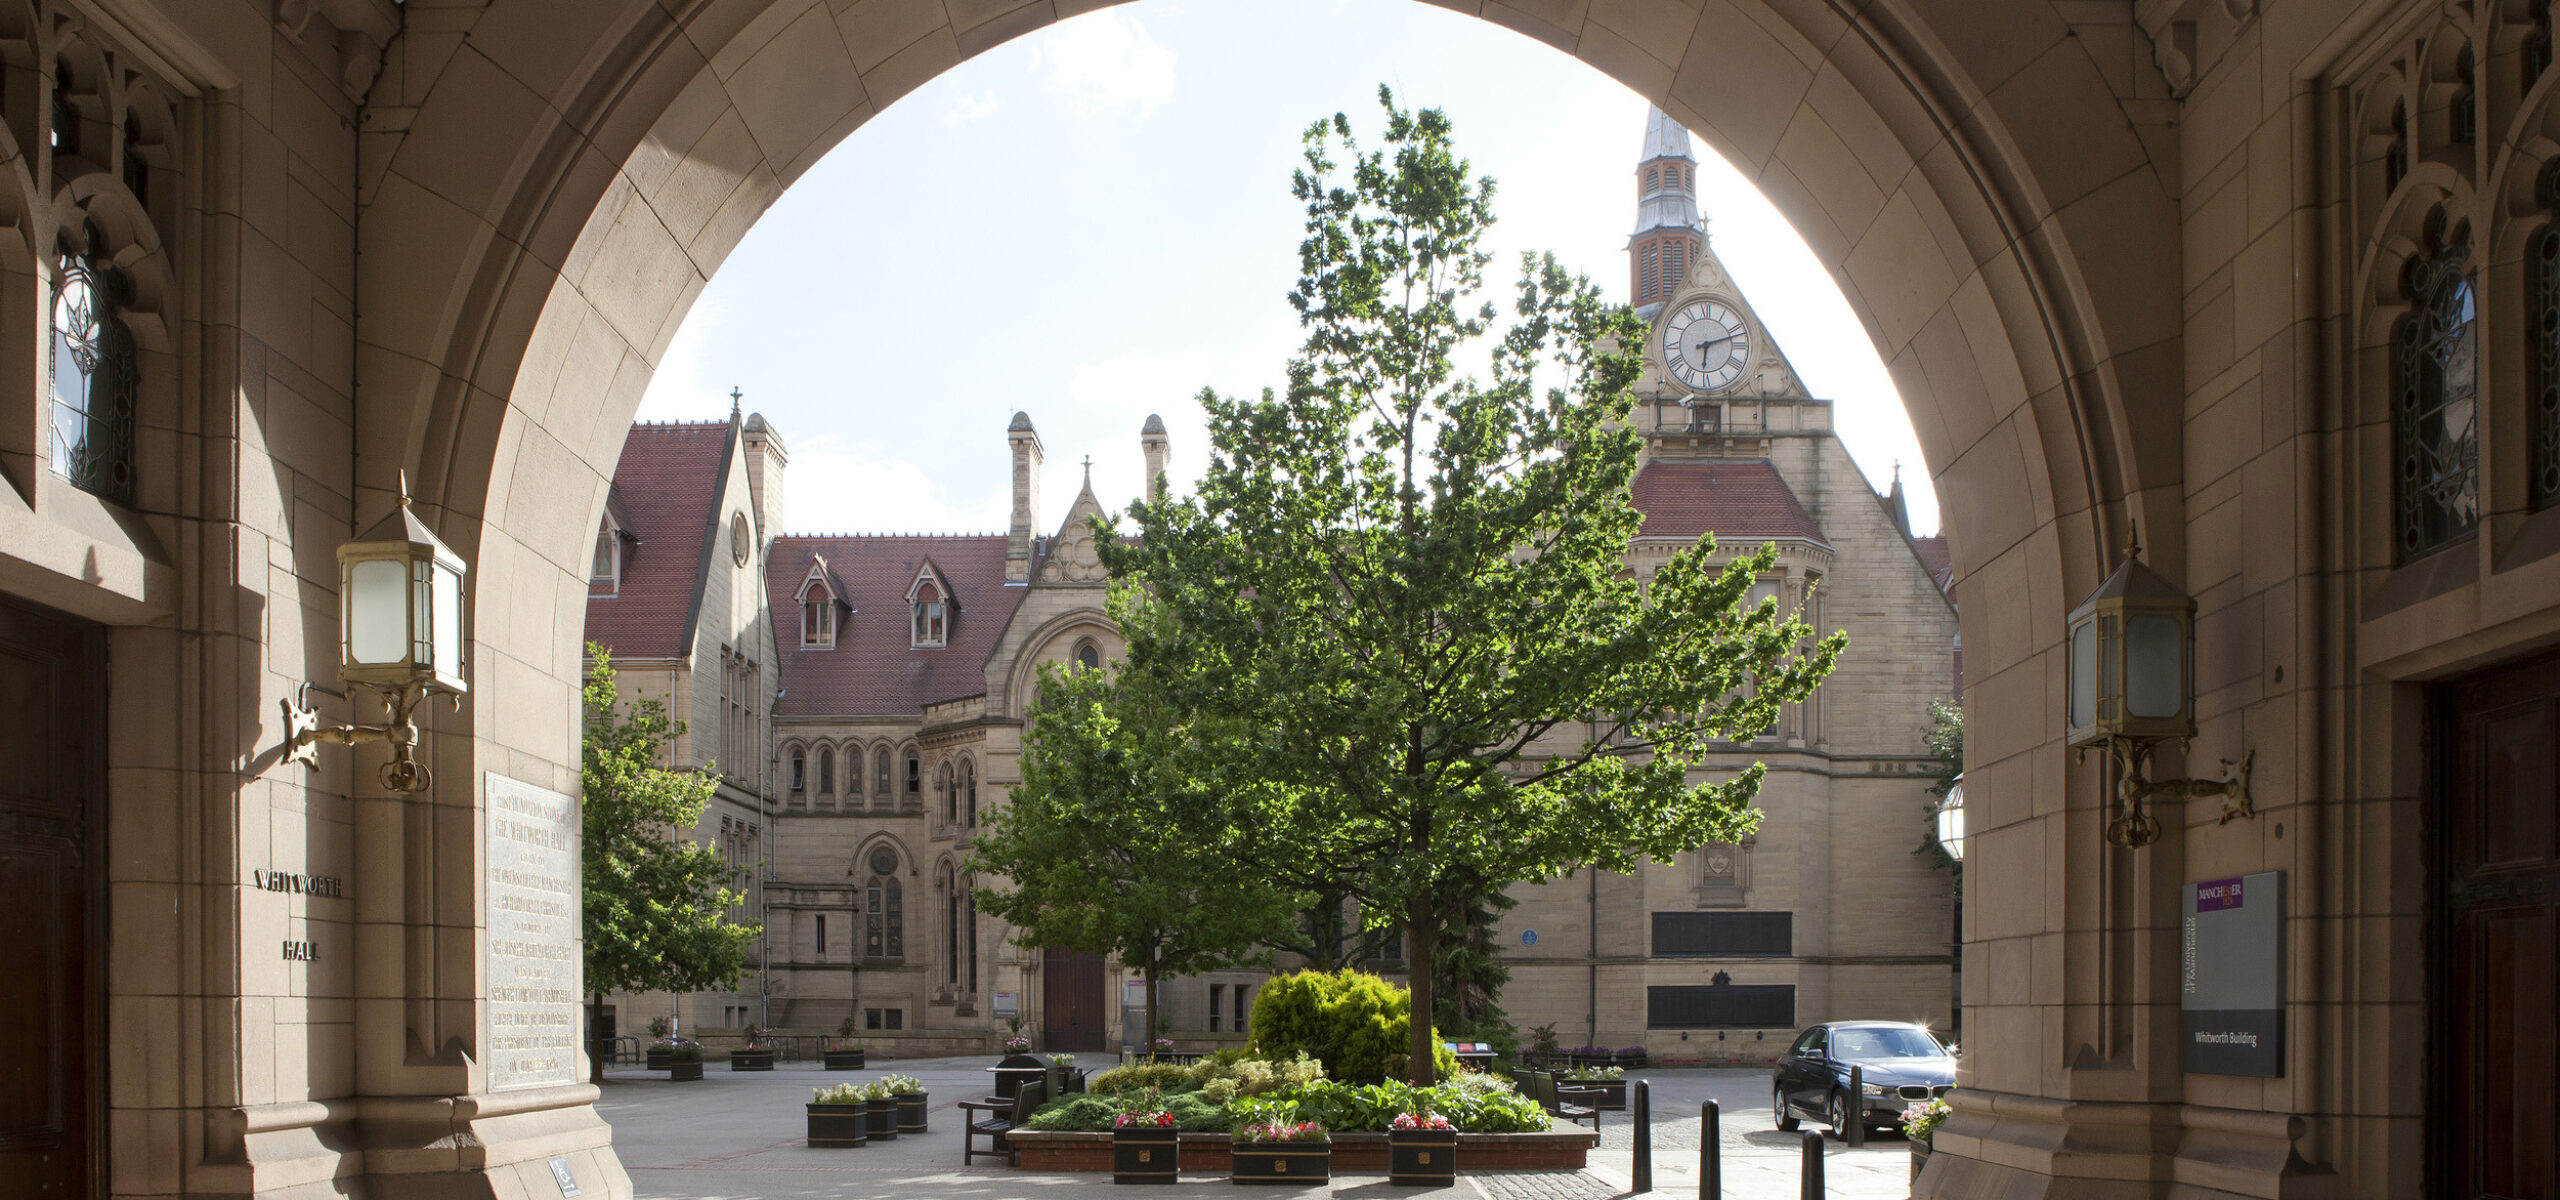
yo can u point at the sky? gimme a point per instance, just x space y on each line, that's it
1093 222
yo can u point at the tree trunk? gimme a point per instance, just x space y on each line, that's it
1150 1040
1425 930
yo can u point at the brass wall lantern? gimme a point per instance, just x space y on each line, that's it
1950 819
400 634
2132 672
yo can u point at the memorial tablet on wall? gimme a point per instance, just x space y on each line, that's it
2231 966
532 954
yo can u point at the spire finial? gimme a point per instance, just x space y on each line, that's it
2132 539
1088 470
736 394
404 487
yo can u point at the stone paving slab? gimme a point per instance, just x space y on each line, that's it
738 1136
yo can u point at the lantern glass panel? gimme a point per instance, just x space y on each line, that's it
448 622
377 611
1951 826
2154 666
2084 674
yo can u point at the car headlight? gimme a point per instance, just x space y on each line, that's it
1873 1089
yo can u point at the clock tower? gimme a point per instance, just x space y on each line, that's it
1669 236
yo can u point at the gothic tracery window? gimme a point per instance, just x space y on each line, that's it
2542 257
883 929
826 771
880 777
2435 427
969 783
94 379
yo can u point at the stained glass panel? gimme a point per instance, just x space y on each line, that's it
91 423
2435 430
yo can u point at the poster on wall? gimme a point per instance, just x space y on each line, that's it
2231 966
531 956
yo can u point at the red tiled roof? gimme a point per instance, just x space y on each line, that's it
1938 559
873 668
1739 499
670 479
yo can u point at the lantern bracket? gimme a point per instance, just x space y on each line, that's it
303 734
2132 827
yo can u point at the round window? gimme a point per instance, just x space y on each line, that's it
884 861
738 548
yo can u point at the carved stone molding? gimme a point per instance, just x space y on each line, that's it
356 30
2189 36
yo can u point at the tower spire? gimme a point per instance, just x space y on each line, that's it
1668 236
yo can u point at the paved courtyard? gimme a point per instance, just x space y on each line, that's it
737 1136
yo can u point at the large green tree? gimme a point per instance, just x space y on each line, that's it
656 906
1111 844
1401 593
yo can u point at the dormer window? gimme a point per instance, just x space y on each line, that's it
819 607
930 608
608 568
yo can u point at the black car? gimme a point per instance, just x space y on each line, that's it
1901 1064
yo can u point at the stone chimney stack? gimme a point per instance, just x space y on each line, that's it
765 460
1025 443
1153 443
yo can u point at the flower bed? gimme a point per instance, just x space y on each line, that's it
1353 1153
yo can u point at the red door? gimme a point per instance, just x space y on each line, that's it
2497 1125
49 750
1071 1001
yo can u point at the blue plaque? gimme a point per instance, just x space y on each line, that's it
1528 937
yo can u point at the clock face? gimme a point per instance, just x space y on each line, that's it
1705 345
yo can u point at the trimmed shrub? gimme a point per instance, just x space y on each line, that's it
1162 1076
1352 1021
1077 1114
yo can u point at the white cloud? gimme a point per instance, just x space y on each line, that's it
969 108
1104 60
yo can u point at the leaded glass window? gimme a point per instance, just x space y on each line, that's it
2435 427
93 381
883 934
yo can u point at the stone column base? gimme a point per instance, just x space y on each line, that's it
477 1147
2003 1147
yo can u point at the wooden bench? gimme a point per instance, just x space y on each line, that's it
1001 1117
1564 1101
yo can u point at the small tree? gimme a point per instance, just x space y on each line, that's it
1396 583
1110 846
656 907
1944 740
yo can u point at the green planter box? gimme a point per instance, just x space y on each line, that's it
1422 1157
685 1068
911 1112
882 1120
751 1060
1143 1155
840 1060
1281 1162
838 1125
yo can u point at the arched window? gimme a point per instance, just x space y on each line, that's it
1652 180
137 173
915 778
853 771
826 771
969 917
1649 259
951 920
883 925
2395 158
1675 263
2465 114
66 115
94 373
880 778
2542 258
950 795
2435 419
799 770
969 780
1088 655
2537 44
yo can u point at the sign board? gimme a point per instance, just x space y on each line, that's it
1008 1004
2231 968
530 955
560 1175
1528 937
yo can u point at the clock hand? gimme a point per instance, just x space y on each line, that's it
1702 346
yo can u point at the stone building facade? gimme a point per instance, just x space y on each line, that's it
2134 266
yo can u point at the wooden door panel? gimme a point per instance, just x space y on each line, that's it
2497 1033
1071 1010
49 744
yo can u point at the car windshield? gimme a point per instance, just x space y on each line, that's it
1855 1044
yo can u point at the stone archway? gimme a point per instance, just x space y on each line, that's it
546 188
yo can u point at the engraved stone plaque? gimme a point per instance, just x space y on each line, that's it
532 959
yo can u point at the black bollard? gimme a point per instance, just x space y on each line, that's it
1813 1188
1644 1138
1857 1130
1710 1153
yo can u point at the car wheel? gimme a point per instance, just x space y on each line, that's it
1778 1106
1839 1114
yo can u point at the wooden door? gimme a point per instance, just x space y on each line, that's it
49 772
1071 1001
2496 1123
